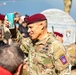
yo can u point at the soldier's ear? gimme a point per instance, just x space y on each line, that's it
41 25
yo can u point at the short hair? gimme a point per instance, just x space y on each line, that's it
11 56
17 14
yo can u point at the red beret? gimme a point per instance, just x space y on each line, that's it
2 17
59 34
35 18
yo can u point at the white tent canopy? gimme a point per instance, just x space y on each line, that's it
61 22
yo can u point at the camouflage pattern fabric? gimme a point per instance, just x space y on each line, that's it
6 35
71 50
24 72
1 32
19 36
73 72
25 42
46 57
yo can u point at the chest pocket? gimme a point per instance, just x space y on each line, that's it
43 56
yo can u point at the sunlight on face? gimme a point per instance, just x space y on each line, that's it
34 30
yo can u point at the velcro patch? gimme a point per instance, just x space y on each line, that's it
63 59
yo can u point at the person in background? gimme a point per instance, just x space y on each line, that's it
46 55
17 19
14 31
16 23
23 27
7 36
59 36
11 59
2 17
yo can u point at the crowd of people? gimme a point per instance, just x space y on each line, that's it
9 33
29 49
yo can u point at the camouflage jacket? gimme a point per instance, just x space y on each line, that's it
46 56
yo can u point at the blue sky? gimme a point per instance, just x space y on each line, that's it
34 6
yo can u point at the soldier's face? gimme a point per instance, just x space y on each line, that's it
34 30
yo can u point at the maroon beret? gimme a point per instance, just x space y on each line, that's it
35 18
59 34
2 17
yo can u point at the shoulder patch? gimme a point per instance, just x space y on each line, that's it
63 59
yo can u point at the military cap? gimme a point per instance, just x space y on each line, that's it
2 17
59 34
35 18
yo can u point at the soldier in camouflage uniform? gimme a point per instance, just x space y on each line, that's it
2 17
59 36
46 55
71 51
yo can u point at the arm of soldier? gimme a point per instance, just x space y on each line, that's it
23 47
61 60
6 33
22 69
6 23
19 36
25 43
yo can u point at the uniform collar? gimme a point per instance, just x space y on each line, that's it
43 41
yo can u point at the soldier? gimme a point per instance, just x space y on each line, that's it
6 33
59 36
46 54
2 17
11 33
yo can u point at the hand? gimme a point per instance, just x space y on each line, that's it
19 70
21 67
6 23
25 65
